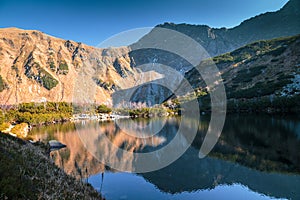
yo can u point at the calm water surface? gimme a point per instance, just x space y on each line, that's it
256 157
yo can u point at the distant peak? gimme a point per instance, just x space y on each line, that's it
292 6
171 25
16 29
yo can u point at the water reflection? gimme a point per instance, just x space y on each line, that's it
189 174
256 151
123 152
266 143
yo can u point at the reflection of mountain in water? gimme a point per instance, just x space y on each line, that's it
86 144
75 156
256 141
266 143
113 146
189 173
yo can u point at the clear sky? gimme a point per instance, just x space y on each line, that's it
92 21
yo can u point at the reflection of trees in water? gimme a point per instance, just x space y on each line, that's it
261 142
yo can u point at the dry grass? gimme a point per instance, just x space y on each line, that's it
27 173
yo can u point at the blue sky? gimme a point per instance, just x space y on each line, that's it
93 21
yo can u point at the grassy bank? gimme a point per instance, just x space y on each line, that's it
37 113
27 173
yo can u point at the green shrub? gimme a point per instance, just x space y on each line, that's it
52 66
103 109
260 89
42 76
242 56
227 57
63 68
2 84
2 117
246 75
47 80
285 76
24 117
264 104
39 113
4 126
276 52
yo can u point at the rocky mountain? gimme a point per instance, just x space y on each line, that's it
216 41
38 67
263 74
285 22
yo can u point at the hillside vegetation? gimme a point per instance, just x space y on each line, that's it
261 76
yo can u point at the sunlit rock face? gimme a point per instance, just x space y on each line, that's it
38 67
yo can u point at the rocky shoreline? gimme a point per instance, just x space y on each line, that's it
98 117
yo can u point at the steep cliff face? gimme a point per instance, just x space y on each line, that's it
37 67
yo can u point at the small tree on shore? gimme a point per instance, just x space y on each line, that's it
103 109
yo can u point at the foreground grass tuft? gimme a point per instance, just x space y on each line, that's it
27 173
